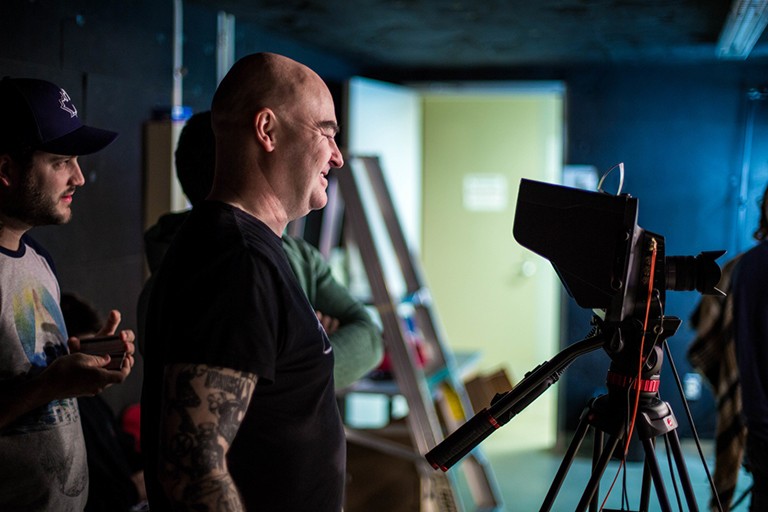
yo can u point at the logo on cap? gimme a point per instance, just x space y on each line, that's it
65 103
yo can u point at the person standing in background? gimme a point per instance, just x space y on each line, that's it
750 321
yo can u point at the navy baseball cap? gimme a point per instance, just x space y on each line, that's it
39 115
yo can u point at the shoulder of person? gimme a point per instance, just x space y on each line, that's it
36 246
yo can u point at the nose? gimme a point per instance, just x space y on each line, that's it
77 177
337 161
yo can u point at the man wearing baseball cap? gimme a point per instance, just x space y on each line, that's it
41 370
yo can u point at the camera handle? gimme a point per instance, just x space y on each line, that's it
505 406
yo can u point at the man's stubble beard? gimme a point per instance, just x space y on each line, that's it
33 207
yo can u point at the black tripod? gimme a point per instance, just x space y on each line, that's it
611 414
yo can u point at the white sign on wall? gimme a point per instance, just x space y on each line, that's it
485 192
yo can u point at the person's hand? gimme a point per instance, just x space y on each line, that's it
329 323
110 326
78 374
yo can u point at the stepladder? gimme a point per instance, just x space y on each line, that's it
427 374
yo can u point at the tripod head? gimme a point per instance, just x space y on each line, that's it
623 345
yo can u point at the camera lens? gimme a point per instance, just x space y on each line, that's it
694 273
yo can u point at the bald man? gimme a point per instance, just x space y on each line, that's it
238 407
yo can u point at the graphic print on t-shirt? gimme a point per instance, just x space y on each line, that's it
40 326
42 334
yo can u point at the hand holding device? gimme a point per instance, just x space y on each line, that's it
105 345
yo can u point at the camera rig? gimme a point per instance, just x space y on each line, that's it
608 263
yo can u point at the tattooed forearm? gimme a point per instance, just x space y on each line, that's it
202 411
213 495
234 384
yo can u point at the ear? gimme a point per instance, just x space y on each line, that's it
7 165
264 128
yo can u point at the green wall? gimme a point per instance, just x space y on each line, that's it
493 296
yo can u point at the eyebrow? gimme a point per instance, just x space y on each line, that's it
329 125
53 157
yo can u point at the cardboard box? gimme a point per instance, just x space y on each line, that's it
483 387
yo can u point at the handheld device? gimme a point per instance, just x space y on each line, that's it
103 345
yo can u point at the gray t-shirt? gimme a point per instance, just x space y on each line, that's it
42 453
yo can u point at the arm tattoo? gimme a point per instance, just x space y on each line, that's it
202 412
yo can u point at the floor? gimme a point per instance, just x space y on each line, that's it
524 479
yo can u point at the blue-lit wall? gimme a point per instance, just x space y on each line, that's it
680 131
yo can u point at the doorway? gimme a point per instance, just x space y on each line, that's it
453 157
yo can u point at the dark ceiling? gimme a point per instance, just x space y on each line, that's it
453 34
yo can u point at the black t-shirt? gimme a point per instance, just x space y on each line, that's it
750 321
226 296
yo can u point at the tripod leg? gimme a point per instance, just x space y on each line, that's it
554 488
597 451
645 492
685 480
653 465
597 473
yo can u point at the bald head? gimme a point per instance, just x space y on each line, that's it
260 80
275 126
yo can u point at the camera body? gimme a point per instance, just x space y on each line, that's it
604 259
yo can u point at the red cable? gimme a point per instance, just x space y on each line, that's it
654 249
